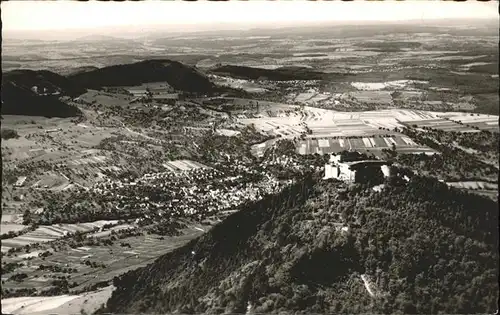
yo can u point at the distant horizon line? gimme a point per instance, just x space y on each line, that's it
223 26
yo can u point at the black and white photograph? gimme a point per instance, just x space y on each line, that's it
249 157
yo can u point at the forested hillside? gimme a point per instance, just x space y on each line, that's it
18 98
43 79
178 75
320 246
454 163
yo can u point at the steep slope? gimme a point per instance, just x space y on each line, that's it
19 98
417 247
179 76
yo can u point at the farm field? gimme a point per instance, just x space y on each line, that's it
368 96
442 124
365 144
322 122
108 99
183 165
483 122
50 233
52 140
326 131
117 259
54 155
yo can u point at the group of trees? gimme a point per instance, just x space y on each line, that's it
93 264
452 163
57 268
10 267
12 234
57 287
483 141
9 134
9 293
18 277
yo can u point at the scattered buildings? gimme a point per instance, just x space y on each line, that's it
187 189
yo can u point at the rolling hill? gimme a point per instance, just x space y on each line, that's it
20 98
177 75
323 247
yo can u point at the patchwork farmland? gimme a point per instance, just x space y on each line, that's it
328 123
44 234
326 131
114 259
363 144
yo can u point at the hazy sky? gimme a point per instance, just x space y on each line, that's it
59 15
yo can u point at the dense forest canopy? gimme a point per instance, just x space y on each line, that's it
455 161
